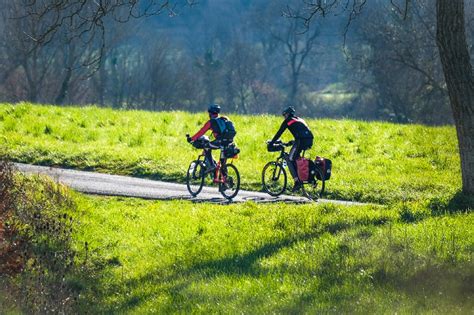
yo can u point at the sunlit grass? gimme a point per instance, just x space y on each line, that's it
372 161
410 256
176 256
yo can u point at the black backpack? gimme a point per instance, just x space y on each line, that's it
224 127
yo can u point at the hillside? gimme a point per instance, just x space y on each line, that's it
180 257
413 254
372 161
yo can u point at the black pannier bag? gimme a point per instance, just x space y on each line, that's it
231 151
201 142
327 169
274 147
312 170
325 165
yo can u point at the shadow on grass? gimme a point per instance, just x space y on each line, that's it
459 203
433 285
177 284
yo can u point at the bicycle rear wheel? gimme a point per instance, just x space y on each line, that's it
231 186
314 188
274 178
195 177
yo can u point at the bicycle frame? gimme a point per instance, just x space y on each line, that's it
274 178
221 173
218 176
284 156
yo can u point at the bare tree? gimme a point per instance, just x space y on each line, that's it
87 19
242 72
211 69
298 42
34 63
457 68
403 65
69 70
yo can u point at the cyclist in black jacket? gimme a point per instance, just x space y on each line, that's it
303 140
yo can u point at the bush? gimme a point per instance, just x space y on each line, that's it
36 256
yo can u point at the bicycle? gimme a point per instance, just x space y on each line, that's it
224 174
274 178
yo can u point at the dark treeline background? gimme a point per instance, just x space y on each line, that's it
244 55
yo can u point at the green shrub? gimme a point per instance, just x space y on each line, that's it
36 257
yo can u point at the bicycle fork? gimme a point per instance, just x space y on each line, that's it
276 176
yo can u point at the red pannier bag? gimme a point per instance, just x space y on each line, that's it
302 167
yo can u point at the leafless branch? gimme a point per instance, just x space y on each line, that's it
403 12
88 19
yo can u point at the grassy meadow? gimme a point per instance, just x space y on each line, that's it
372 161
409 252
180 257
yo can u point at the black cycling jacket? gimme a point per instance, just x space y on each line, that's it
297 127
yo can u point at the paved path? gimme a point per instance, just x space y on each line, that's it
115 185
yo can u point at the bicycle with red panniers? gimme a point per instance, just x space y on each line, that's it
312 174
202 171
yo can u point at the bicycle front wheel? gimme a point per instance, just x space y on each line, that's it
314 188
274 178
195 177
231 186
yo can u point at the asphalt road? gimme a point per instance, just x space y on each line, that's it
115 185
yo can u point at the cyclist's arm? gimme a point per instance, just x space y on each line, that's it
202 131
280 131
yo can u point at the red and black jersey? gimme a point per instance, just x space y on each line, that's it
297 126
203 130
211 124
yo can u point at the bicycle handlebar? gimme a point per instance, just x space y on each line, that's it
285 144
188 138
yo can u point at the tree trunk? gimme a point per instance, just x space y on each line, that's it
293 89
452 45
63 91
69 54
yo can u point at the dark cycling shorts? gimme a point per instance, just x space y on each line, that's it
298 146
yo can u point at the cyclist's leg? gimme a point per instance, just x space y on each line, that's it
213 145
223 169
208 156
304 145
292 157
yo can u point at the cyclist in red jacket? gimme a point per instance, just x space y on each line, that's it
303 140
212 124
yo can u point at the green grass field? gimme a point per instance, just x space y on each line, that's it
413 254
372 161
180 257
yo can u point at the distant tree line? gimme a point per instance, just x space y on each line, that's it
244 54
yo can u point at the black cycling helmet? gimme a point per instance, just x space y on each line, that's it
214 109
290 111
